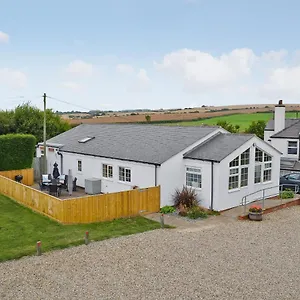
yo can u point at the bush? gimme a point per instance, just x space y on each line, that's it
287 194
196 212
16 151
167 209
185 198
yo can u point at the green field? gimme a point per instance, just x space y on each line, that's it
244 120
21 228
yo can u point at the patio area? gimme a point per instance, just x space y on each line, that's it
64 194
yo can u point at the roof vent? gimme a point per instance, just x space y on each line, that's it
86 139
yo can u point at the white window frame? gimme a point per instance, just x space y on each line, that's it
265 167
292 147
79 161
126 169
194 172
106 171
238 164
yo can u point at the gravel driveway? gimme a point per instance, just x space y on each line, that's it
234 260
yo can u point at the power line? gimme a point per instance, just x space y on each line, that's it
82 107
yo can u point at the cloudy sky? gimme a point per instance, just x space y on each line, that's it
119 54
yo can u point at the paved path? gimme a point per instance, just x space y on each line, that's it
227 260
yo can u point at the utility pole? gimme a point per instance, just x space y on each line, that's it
45 137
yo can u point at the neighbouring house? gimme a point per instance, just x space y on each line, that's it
284 134
221 166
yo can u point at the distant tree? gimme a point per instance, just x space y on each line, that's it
229 127
257 128
148 118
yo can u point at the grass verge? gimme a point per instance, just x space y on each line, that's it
21 228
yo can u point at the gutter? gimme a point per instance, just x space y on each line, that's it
212 187
115 158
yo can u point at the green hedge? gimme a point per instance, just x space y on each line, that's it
16 151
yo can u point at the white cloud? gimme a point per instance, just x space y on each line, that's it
282 83
125 69
80 68
203 71
13 78
4 37
72 85
143 76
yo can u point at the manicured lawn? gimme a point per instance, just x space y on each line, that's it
244 120
21 228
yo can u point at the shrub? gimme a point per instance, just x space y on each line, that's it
196 212
213 213
185 198
167 209
16 151
287 194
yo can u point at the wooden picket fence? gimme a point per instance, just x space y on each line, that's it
86 209
28 175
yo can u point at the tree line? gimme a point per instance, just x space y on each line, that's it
256 127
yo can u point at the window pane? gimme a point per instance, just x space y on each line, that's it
128 175
234 171
79 165
257 174
193 177
233 182
121 174
244 177
267 175
110 171
292 151
292 144
235 162
268 165
245 157
104 170
267 157
258 155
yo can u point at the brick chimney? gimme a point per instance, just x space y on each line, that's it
279 118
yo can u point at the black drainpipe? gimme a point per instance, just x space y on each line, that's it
155 179
212 187
61 162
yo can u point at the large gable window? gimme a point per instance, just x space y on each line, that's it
193 177
238 171
292 147
263 166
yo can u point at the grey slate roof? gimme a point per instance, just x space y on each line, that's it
288 123
289 164
218 147
152 144
291 131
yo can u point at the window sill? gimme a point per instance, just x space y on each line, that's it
108 179
195 188
267 182
125 182
234 190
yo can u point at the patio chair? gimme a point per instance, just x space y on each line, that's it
54 190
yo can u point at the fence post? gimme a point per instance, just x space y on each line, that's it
280 193
162 221
86 238
38 248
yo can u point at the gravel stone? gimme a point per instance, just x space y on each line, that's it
232 260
